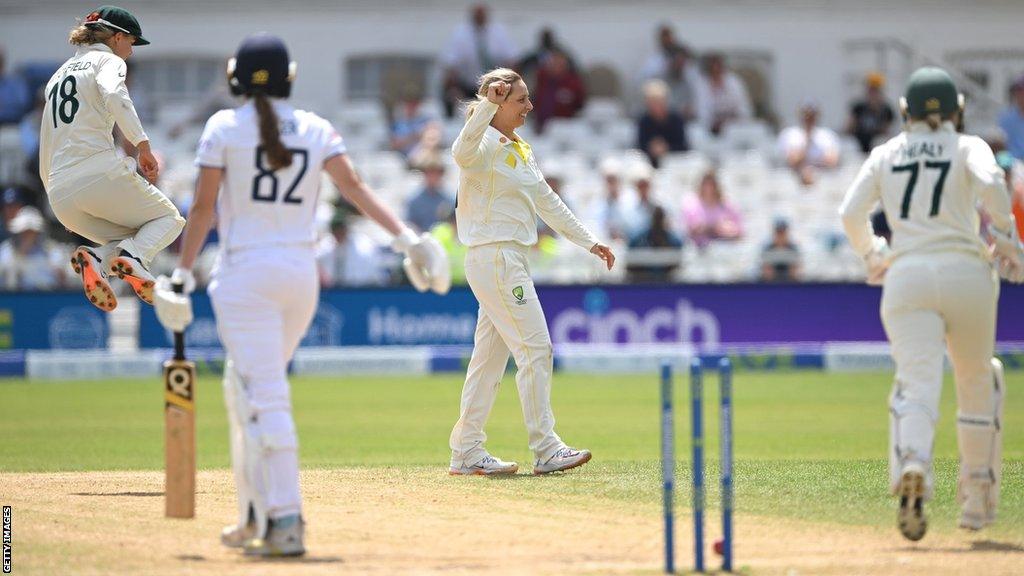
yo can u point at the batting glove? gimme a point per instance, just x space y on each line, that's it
173 309
184 277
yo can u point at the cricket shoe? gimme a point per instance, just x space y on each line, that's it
130 269
488 466
236 535
89 268
911 519
564 459
976 512
284 538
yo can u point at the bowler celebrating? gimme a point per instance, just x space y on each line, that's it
501 192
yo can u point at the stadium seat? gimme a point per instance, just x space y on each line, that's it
601 112
567 133
750 135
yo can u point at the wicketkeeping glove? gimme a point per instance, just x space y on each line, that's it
173 309
426 263
1008 254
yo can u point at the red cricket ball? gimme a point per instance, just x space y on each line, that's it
719 546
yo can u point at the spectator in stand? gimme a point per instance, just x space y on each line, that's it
657 63
808 147
13 200
780 259
657 267
28 261
708 216
682 78
610 212
871 117
721 95
547 43
475 47
15 98
559 92
409 120
432 204
638 216
661 130
430 148
1011 120
347 257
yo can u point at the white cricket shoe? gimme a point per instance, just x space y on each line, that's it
976 512
236 535
130 269
564 459
911 519
89 268
487 466
284 538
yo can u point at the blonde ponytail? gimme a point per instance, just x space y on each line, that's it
83 35
270 135
497 75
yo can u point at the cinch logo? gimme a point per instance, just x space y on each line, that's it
602 323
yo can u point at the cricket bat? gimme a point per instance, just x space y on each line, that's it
179 431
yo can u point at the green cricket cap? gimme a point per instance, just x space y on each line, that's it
118 19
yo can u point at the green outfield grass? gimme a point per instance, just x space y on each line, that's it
808 444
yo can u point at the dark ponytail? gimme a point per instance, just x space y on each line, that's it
270 135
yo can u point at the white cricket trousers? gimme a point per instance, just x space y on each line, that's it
930 300
102 199
510 320
264 300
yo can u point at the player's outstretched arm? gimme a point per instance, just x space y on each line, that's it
352 187
426 262
200 221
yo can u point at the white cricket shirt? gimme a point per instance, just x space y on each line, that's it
929 183
501 194
85 97
258 206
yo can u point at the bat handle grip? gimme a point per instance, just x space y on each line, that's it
179 337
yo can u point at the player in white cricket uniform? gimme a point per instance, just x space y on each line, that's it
501 192
94 191
940 287
260 171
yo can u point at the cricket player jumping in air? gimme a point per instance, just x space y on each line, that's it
940 285
93 191
501 192
267 157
